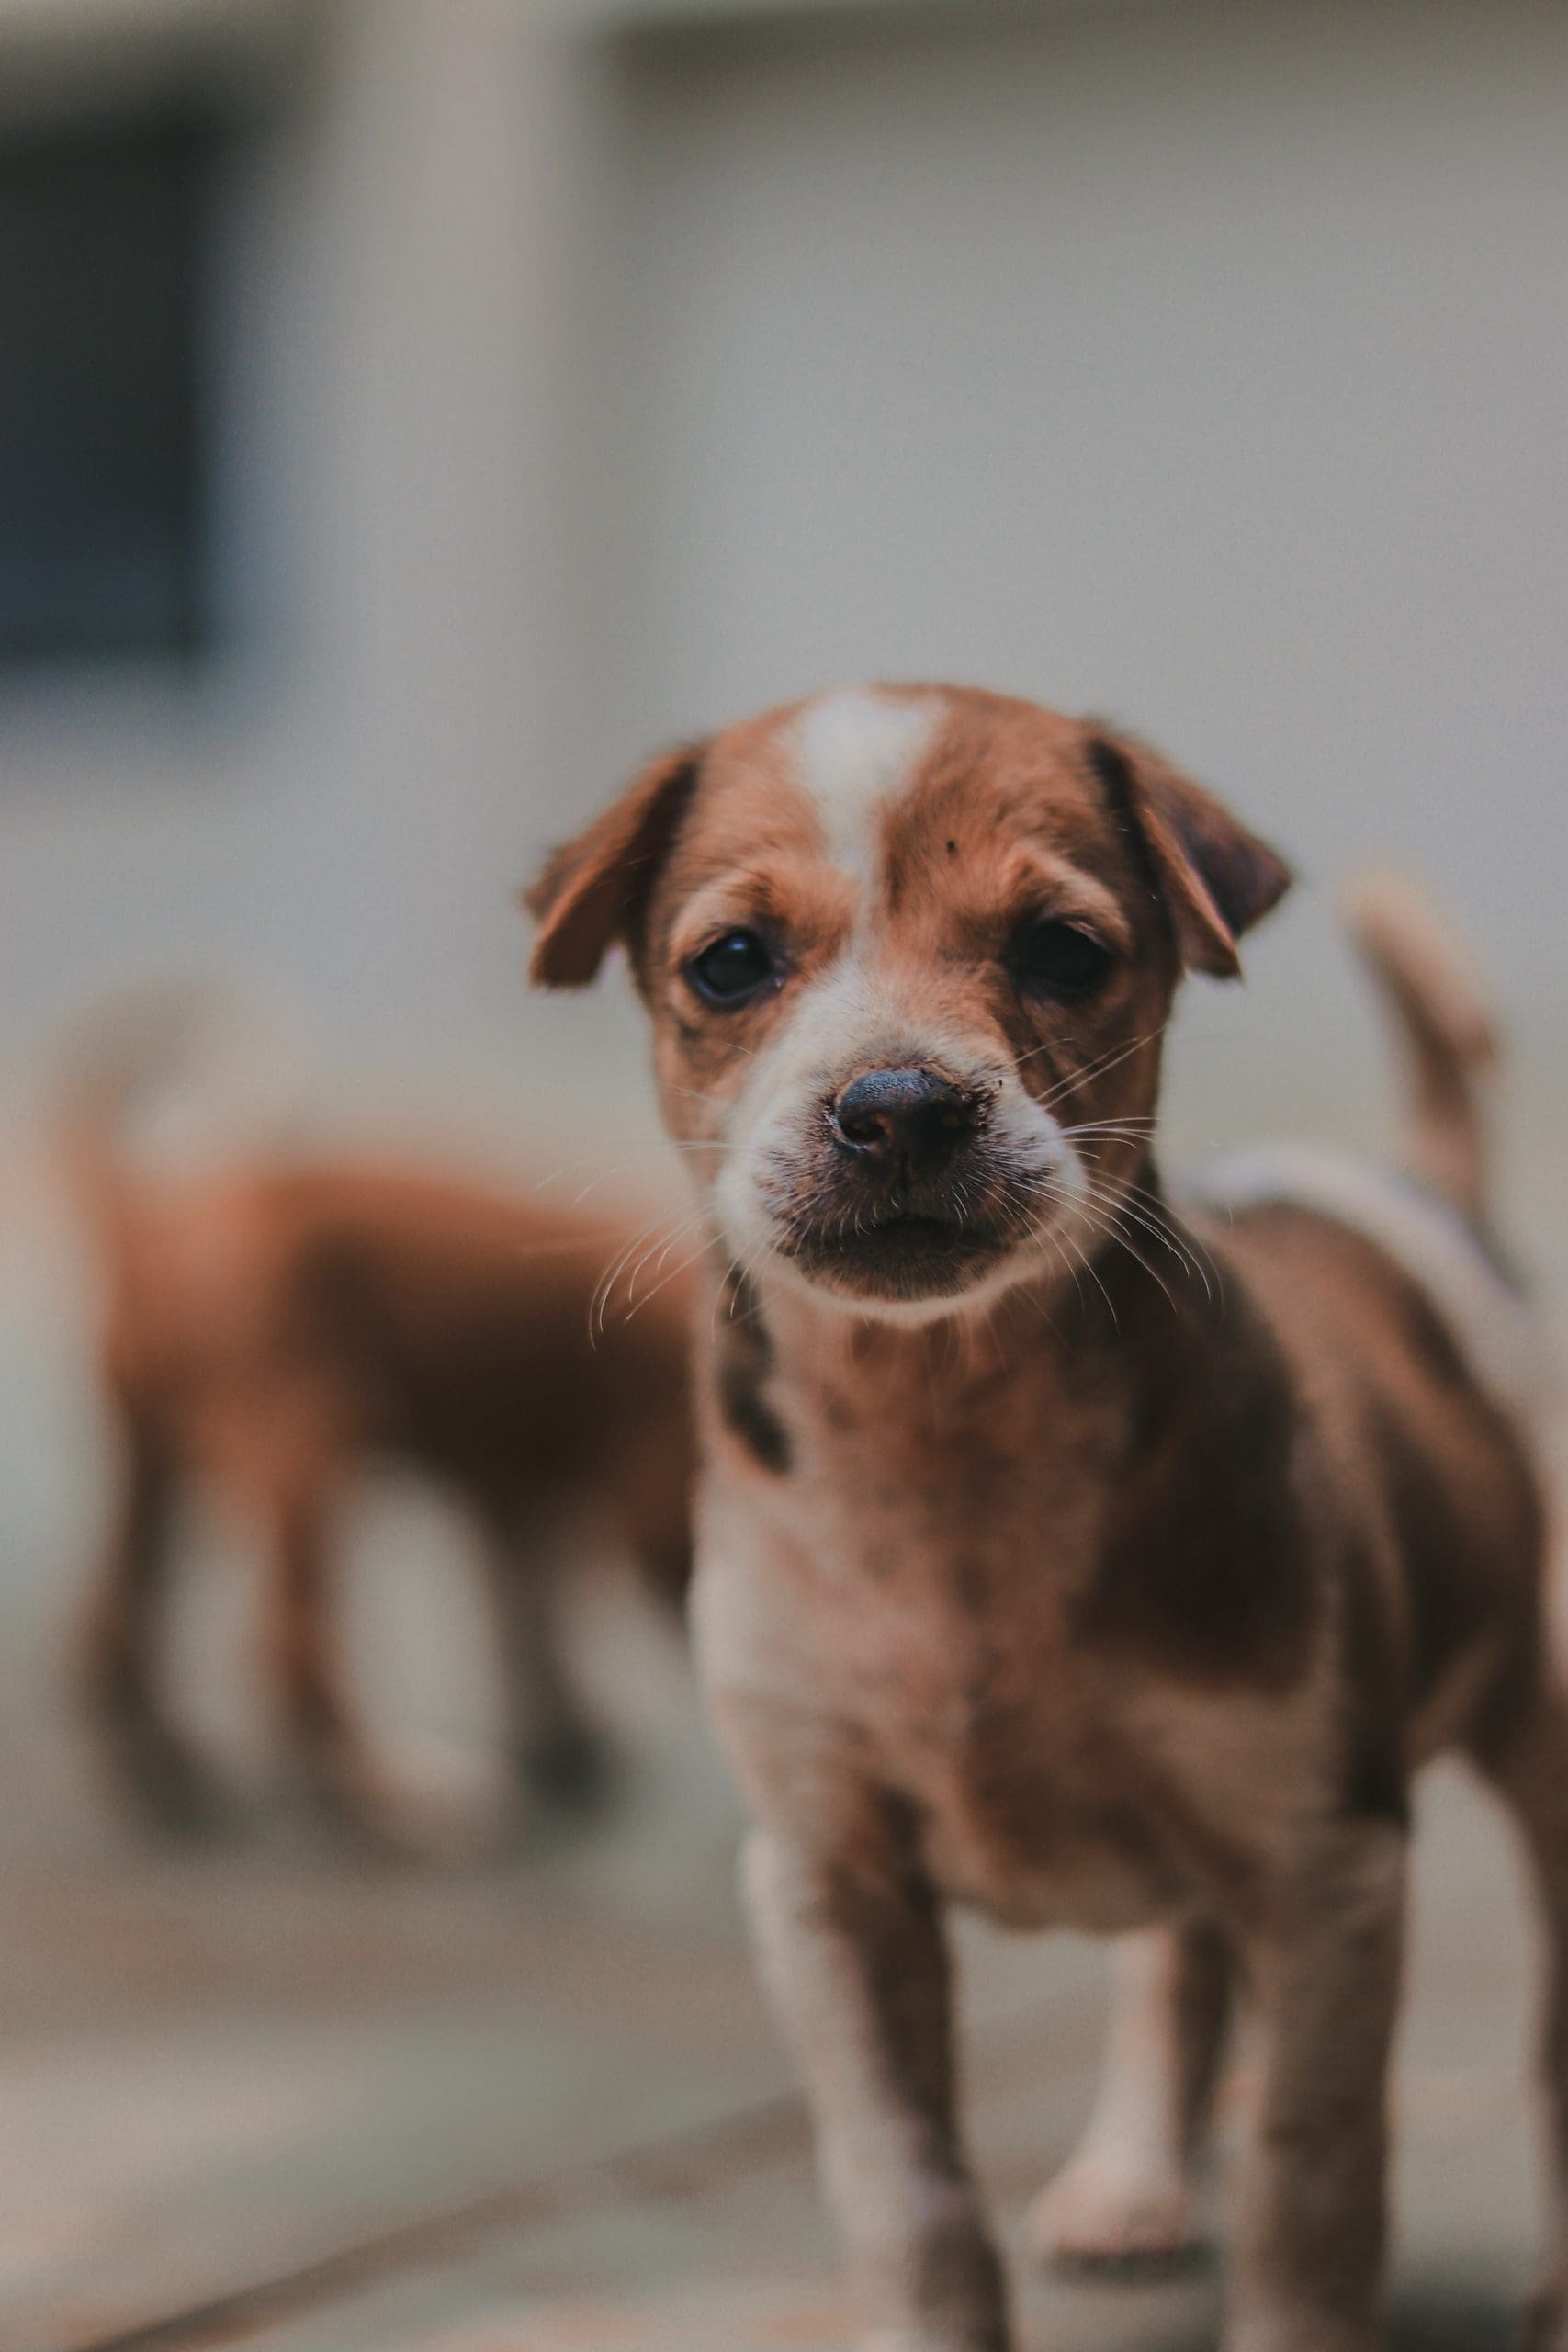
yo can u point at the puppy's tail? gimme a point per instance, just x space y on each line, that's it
128 1060
1446 1028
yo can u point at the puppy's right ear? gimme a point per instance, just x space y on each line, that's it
594 891
1214 877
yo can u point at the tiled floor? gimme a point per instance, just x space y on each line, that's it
709 2239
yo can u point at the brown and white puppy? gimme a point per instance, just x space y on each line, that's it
1058 1553
269 1334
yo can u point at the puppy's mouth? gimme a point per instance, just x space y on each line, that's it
897 1254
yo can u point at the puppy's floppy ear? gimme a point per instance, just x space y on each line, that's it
1213 877
594 890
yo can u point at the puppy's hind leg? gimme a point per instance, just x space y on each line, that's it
1530 1770
1123 2197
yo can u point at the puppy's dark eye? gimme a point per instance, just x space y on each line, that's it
1049 957
732 969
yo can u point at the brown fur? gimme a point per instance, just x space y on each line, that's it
276 1331
1129 1565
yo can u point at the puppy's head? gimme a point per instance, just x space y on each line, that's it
909 954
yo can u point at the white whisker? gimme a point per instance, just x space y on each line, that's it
673 1275
1107 1062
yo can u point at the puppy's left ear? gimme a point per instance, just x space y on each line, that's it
1213 877
593 891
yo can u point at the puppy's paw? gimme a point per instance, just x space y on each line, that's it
1100 2213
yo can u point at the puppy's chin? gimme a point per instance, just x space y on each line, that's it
899 1262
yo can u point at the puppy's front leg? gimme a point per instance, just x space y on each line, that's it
854 1956
1326 1969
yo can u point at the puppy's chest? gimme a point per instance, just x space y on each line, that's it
1020 1755
918 1606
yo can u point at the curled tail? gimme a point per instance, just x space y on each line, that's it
124 1059
1446 1028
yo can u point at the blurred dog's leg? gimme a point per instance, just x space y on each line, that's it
553 1745
555 1749
400 1804
303 1648
122 1635
1125 2194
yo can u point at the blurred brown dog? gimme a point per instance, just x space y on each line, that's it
1065 1553
274 1331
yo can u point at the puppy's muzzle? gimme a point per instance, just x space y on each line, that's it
899 1199
911 1122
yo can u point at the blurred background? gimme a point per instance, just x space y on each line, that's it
411 412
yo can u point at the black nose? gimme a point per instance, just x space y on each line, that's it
908 1114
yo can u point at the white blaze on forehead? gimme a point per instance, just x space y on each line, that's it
854 751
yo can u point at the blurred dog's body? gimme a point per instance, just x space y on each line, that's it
271 1332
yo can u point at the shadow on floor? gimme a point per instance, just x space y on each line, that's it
1433 2316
